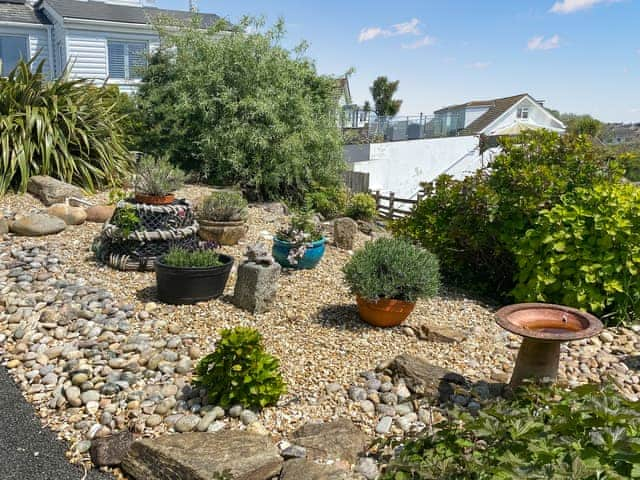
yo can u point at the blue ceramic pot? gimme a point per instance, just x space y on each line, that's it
311 257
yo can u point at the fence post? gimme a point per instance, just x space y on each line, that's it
391 201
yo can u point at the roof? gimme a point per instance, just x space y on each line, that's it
342 86
19 12
92 10
496 108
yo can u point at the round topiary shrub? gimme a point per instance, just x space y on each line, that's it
361 206
392 268
240 372
224 206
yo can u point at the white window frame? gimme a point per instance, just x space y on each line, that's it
523 113
127 66
27 40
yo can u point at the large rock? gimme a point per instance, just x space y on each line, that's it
329 441
203 456
425 379
110 450
100 213
301 469
256 286
70 215
37 224
50 191
344 233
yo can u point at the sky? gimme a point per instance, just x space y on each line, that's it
579 56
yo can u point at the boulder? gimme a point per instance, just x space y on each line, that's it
70 215
110 450
344 233
100 213
301 469
329 441
425 379
204 456
439 334
256 286
37 224
50 190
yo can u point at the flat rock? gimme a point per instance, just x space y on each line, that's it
439 334
301 469
50 190
99 213
110 450
203 456
338 439
37 224
70 215
425 379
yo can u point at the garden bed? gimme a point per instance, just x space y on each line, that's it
313 327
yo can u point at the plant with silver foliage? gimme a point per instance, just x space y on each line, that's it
224 206
157 176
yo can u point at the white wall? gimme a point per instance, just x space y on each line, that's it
38 41
537 115
400 167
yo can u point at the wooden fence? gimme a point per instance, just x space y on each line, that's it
391 207
357 182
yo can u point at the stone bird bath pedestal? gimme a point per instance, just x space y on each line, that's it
543 327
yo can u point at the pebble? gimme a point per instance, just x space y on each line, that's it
248 417
235 411
186 423
368 468
384 425
293 451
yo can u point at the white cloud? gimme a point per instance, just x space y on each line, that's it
412 27
542 43
479 65
570 6
426 41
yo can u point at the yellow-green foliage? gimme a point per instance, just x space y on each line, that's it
585 252
64 128
361 206
330 202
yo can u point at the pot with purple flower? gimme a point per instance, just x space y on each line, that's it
301 245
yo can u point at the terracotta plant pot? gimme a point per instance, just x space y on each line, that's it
224 233
155 200
384 312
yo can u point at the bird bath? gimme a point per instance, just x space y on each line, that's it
543 327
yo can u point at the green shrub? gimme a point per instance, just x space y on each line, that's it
115 195
126 219
224 206
474 224
302 228
330 202
239 371
202 258
361 206
242 110
156 176
590 433
393 269
64 128
585 253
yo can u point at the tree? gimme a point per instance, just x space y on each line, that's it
382 92
239 108
581 124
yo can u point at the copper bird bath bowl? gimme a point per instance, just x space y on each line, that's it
543 327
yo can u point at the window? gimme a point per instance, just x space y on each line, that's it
12 49
127 60
523 113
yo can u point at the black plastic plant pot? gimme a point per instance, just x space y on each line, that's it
185 285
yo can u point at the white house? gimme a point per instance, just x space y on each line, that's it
450 143
104 40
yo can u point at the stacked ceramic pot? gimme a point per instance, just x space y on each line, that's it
138 233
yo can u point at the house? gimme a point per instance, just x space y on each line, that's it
457 140
500 116
351 115
106 40
621 134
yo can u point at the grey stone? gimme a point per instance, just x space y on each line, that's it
301 469
4 226
110 450
367 406
187 423
37 224
294 451
368 468
337 439
235 411
357 393
404 408
256 286
248 417
344 233
204 456
50 191
384 425
424 378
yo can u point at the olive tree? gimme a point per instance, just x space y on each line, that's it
234 105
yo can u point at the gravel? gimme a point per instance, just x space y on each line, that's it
94 351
